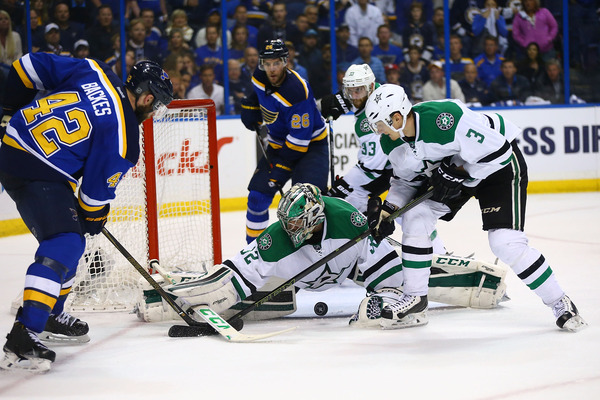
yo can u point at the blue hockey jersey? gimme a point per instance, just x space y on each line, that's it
81 128
290 112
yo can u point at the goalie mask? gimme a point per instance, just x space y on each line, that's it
383 103
300 210
359 82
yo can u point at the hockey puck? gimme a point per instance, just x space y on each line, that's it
321 309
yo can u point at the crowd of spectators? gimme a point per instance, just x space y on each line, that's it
501 51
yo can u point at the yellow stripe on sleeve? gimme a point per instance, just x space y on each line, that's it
26 81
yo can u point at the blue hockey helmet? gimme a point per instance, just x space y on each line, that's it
148 76
274 49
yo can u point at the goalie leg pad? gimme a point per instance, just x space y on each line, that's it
466 282
279 306
214 289
369 309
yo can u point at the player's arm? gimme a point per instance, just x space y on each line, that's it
485 150
300 120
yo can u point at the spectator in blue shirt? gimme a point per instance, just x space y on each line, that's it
365 56
345 52
488 63
387 52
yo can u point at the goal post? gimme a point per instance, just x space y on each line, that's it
166 208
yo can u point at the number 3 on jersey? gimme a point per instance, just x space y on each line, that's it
71 129
300 121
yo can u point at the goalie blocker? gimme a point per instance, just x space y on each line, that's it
458 281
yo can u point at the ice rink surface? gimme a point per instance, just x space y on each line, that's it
512 352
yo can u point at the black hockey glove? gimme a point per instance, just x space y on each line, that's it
6 116
447 182
250 114
334 105
340 188
93 222
376 217
278 175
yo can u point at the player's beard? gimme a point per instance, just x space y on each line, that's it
143 112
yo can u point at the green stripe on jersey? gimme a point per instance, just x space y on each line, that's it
437 121
384 276
502 126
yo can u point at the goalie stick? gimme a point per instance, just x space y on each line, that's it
181 330
213 322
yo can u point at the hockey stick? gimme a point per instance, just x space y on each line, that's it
213 322
189 330
331 146
264 152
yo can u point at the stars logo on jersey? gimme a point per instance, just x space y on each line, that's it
358 219
364 126
265 241
445 121
325 278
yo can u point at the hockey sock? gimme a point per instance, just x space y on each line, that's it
257 214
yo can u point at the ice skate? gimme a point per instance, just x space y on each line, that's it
567 316
23 350
65 328
408 312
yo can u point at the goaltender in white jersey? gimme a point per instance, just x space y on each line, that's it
311 227
465 154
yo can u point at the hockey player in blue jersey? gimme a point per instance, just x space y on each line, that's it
70 132
297 134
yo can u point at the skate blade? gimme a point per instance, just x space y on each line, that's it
575 324
12 362
410 321
57 338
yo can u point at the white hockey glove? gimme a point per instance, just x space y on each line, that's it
213 288
369 309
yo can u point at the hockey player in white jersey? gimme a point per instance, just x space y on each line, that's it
311 227
465 154
372 173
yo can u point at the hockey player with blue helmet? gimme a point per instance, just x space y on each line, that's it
297 134
72 132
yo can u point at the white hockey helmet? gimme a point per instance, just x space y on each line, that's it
358 81
384 102
300 210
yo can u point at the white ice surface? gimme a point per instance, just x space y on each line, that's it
513 352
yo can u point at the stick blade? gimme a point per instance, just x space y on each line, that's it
202 329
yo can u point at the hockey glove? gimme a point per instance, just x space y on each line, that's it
93 222
340 188
447 182
376 217
250 114
334 105
4 123
278 175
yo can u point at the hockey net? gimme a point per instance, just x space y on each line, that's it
166 208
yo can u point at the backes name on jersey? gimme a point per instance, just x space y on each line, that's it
98 98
